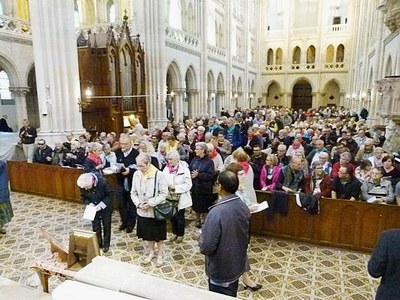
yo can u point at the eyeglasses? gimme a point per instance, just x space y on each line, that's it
40 144
136 145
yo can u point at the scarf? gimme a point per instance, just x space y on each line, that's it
214 154
151 171
172 169
245 166
94 158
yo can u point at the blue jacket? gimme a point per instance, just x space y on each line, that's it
224 239
385 263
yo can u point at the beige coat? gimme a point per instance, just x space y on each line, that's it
143 190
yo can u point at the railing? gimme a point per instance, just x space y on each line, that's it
335 66
304 31
273 68
216 51
305 67
182 37
337 28
15 26
237 59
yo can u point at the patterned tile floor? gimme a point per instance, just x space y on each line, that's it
286 269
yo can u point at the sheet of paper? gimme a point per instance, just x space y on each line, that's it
259 207
89 213
371 200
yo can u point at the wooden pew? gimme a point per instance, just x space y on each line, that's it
47 180
342 223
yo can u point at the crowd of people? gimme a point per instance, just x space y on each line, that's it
327 152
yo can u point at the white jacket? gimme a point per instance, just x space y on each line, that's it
182 182
143 190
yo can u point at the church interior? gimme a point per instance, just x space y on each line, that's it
71 66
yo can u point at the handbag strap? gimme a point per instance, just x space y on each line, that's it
155 182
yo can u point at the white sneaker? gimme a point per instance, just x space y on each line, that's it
3 229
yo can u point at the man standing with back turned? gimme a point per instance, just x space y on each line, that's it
225 236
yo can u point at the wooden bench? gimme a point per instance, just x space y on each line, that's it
342 223
47 180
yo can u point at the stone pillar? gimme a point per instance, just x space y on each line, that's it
56 66
288 100
150 19
19 95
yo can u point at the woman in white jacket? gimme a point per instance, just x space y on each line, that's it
179 182
149 188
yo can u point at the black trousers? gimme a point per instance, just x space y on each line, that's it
178 223
127 209
102 226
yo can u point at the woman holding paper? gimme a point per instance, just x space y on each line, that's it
96 194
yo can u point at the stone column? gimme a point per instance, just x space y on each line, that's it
19 95
288 100
150 19
56 66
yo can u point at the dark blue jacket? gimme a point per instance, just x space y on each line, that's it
385 263
224 239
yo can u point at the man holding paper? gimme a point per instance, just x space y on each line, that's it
96 194
377 189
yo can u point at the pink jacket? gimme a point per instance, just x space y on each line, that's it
275 176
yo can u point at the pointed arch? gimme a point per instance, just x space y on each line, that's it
175 14
331 93
340 53
274 93
296 59
110 9
388 67
301 94
270 57
310 54
330 50
278 56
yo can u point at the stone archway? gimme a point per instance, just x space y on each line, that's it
302 95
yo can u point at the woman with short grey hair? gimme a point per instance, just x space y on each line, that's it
179 184
149 188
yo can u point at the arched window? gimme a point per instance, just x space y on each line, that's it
4 86
388 69
175 14
278 56
340 53
296 55
329 54
110 11
311 55
270 57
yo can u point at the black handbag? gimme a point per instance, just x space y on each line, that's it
165 210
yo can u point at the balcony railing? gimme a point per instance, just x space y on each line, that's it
216 51
337 28
304 31
16 27
182 37
306 67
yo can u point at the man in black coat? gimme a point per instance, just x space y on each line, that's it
126 156
385 263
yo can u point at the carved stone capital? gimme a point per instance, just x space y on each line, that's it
18 91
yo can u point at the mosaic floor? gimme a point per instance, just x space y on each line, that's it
287 270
